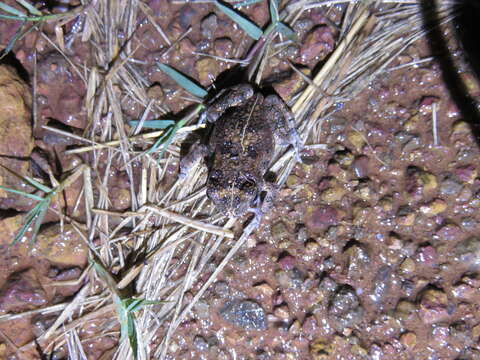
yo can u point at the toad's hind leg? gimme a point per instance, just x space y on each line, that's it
234 96
285 131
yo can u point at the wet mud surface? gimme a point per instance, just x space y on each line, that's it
371 251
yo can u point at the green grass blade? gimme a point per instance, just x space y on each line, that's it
18 35
32 18
36 184
183 81
31 216
169 133
39 219
31 9
153 124
30 196
29 180
286 31
11 10
132 335
273 11
246 3
249 27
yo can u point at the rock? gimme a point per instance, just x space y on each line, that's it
282 312
290 279
22 292
356 139
223 47
207 69
357 260
287 261
360 166
16 140
382 284
246 314
409 340
418 183
321 350
466 173
310 326
320 218
468 253
155 92
61 247
461 127
449 232
8 229
427 256
344 309
311 247
407 267
208 26
433 306
344 158
434 208
291 85
318 43
200 343
264 289
279 231
450 186
426 104
405 310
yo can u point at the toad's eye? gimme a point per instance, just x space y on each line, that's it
226 147
215 177
251 151
247 184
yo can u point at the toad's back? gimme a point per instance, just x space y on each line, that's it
242 137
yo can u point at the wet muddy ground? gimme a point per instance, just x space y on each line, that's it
371 250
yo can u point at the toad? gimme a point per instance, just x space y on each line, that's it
247 126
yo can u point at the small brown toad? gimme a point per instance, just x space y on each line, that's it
247 126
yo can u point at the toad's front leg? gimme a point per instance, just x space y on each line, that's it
196 153
264 206
285 131
234 96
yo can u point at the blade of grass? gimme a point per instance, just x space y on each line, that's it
28 195
39 219
11 10
273 11
18 35
246 3
153 124
286 31
31 216
183 81
249 27
31 9
29 180
32 18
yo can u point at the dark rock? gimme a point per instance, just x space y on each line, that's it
245 313
200 343
345 310
360 166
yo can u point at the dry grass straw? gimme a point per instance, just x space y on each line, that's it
174 227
